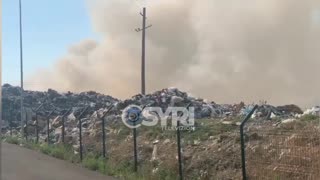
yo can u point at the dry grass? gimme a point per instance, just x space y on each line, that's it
288 151
291 151
212 151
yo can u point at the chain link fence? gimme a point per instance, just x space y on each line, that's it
287 150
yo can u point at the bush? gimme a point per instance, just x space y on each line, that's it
310 117
31 145
59 152
94 163
13 140
45 149
166 174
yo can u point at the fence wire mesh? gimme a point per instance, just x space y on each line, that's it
283 151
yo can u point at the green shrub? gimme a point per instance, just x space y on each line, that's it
166 174
58 152
2 137
95 163
310 117
122 169
13 140
44 148
31 145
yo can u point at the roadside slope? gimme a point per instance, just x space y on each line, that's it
23 164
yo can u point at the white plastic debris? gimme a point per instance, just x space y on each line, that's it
288 121
313 111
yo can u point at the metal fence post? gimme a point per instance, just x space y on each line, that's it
37 127
48 126
63 128
179 150
243 153
135 151
135 146
10 119
26 130
80 139
103 131
63 124
179 147
80 132
10 124
103 138
37 122
136 115
48 130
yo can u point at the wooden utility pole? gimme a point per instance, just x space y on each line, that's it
143 56
143 78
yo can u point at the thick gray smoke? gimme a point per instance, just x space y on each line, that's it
226 51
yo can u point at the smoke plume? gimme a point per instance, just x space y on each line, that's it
227 51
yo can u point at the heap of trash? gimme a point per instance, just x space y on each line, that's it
54 105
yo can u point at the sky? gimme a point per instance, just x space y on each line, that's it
210 48
50 27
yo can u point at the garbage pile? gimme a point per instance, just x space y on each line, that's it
174 97
50 103
33 99
56 104
312 111
163 98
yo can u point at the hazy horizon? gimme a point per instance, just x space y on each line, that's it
226 51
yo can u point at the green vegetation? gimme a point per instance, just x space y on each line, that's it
121 166
92 161
95 163
12 140
310 117
209 127
211 136
166 174
63 152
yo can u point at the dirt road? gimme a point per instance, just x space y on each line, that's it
23 164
